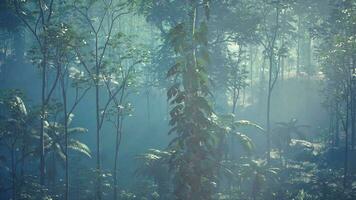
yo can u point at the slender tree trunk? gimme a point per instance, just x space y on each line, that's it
43 117
13 172
251 68
353 104
254 187
118 141
268 121
148 105
23 154
352 121
98 163
262 80
282 68
65 113
271 86
346 126
97 109
235 97
117 148
269 95
337 131
331 126
243 96
309 55
119 124
298 47
44 50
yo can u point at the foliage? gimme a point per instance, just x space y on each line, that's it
101 56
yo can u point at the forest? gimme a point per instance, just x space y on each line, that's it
178 99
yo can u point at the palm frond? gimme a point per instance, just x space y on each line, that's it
245 141
77 130
79 147
246 123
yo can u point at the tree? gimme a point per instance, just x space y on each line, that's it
14 123
337 56
192 160
38 26
94 62
268 41
237 75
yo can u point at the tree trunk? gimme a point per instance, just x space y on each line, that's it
43 116
268 122
119 124
271 86
117 147
235 97
353 104
65 113
148 106
337 131
298 47
346 126
97 109
251 68
309 55
98 163
13 172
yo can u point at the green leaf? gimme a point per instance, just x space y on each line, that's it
203 104
246 123
77 130
173 91
245 141
79 147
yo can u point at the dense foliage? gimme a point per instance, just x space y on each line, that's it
178 100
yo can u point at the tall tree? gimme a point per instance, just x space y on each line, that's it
270 36
39 26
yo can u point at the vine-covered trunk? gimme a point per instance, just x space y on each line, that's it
193 161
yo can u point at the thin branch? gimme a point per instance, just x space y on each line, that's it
77 100
34 32
50 11
52 88
84 64
113 95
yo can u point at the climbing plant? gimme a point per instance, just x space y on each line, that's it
193 160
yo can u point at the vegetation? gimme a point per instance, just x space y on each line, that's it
178 100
